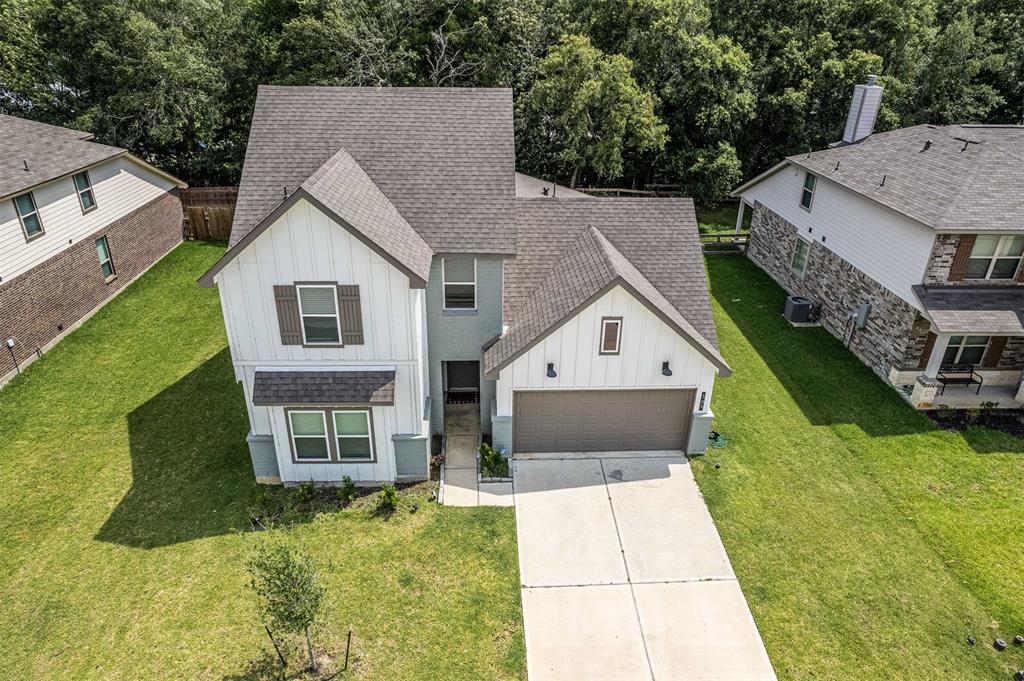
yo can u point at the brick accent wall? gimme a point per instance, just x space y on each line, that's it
937 271
840 289
38 305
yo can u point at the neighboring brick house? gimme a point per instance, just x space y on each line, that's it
388 268
910 242
78 222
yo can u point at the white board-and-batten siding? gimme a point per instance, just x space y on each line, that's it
889 247
120 186
305 245
645 342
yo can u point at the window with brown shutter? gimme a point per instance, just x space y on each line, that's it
288 320
962 257
351 314
611 334
995 352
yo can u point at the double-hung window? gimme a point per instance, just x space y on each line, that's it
995 257
28 215
103 252
800 252
965 350
318 307
459 276
352 435
83 186
611 335
807 196
309 435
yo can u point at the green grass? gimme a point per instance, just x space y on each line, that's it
124 531
869 544
721 219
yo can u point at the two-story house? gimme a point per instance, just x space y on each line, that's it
909 244
387 266
78 222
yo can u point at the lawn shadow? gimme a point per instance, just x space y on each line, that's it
829 384
191 475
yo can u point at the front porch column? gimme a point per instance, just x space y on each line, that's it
927 387
739 216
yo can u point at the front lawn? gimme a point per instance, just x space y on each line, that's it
869 543
125 493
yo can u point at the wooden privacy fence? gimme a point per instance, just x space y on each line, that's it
209 212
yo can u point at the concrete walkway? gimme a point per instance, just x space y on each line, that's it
459 483
624 575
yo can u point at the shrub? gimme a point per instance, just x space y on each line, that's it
347 493
388 498
306 492
492 463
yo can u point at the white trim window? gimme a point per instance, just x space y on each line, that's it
353 435
83 187
106 263
611 335
28 216
965 350
309 435
801 251
318 308
459 277
807 195
995 257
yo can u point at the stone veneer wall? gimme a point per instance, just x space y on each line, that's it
840 289
37 306
941 260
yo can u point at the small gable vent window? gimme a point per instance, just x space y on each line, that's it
318 306
995 257
611 335
800 251
106 263
28 215
459 276
807 197
83 185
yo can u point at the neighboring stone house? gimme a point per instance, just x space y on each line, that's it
910 243
78 222
388 270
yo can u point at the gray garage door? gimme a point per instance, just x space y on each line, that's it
601 420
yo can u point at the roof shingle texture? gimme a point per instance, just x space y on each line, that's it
443 156
292 388
974 309
49 151
968 178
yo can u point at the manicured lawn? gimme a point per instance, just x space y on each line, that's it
720 220
869 544
125 493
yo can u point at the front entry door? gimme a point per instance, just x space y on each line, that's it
462 382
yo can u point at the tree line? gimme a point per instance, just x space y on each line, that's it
700 93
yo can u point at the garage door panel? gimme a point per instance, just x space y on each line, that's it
601 420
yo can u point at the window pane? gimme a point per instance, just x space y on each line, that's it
354 448
32 225
971 355
1004 268
307 423
81 181
108 270
459 295
809 182
351 423
25 204
949 356
87 200
321 329
800 255
459 269
977 268
311 448
805 200
101 250
984 246
319 300
977 340
956 340
1013 247
611 336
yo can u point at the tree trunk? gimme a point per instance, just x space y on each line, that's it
309 647
572 181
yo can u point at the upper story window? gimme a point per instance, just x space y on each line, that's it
459 276
965 350
83 186
807 197
995 257
800 252
103 252
611 335
28 215
318 308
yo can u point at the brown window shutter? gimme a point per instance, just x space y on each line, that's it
963 252
1020 273
926 353
288 319
994 352
351 314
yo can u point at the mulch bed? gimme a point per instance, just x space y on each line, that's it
1009 421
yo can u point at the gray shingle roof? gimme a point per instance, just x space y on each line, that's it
987 310
969 177
443 156
343 187
587 269
50 152
292 388
528 187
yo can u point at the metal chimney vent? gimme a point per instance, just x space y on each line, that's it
860 122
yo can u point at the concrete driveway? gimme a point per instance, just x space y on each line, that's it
624 575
